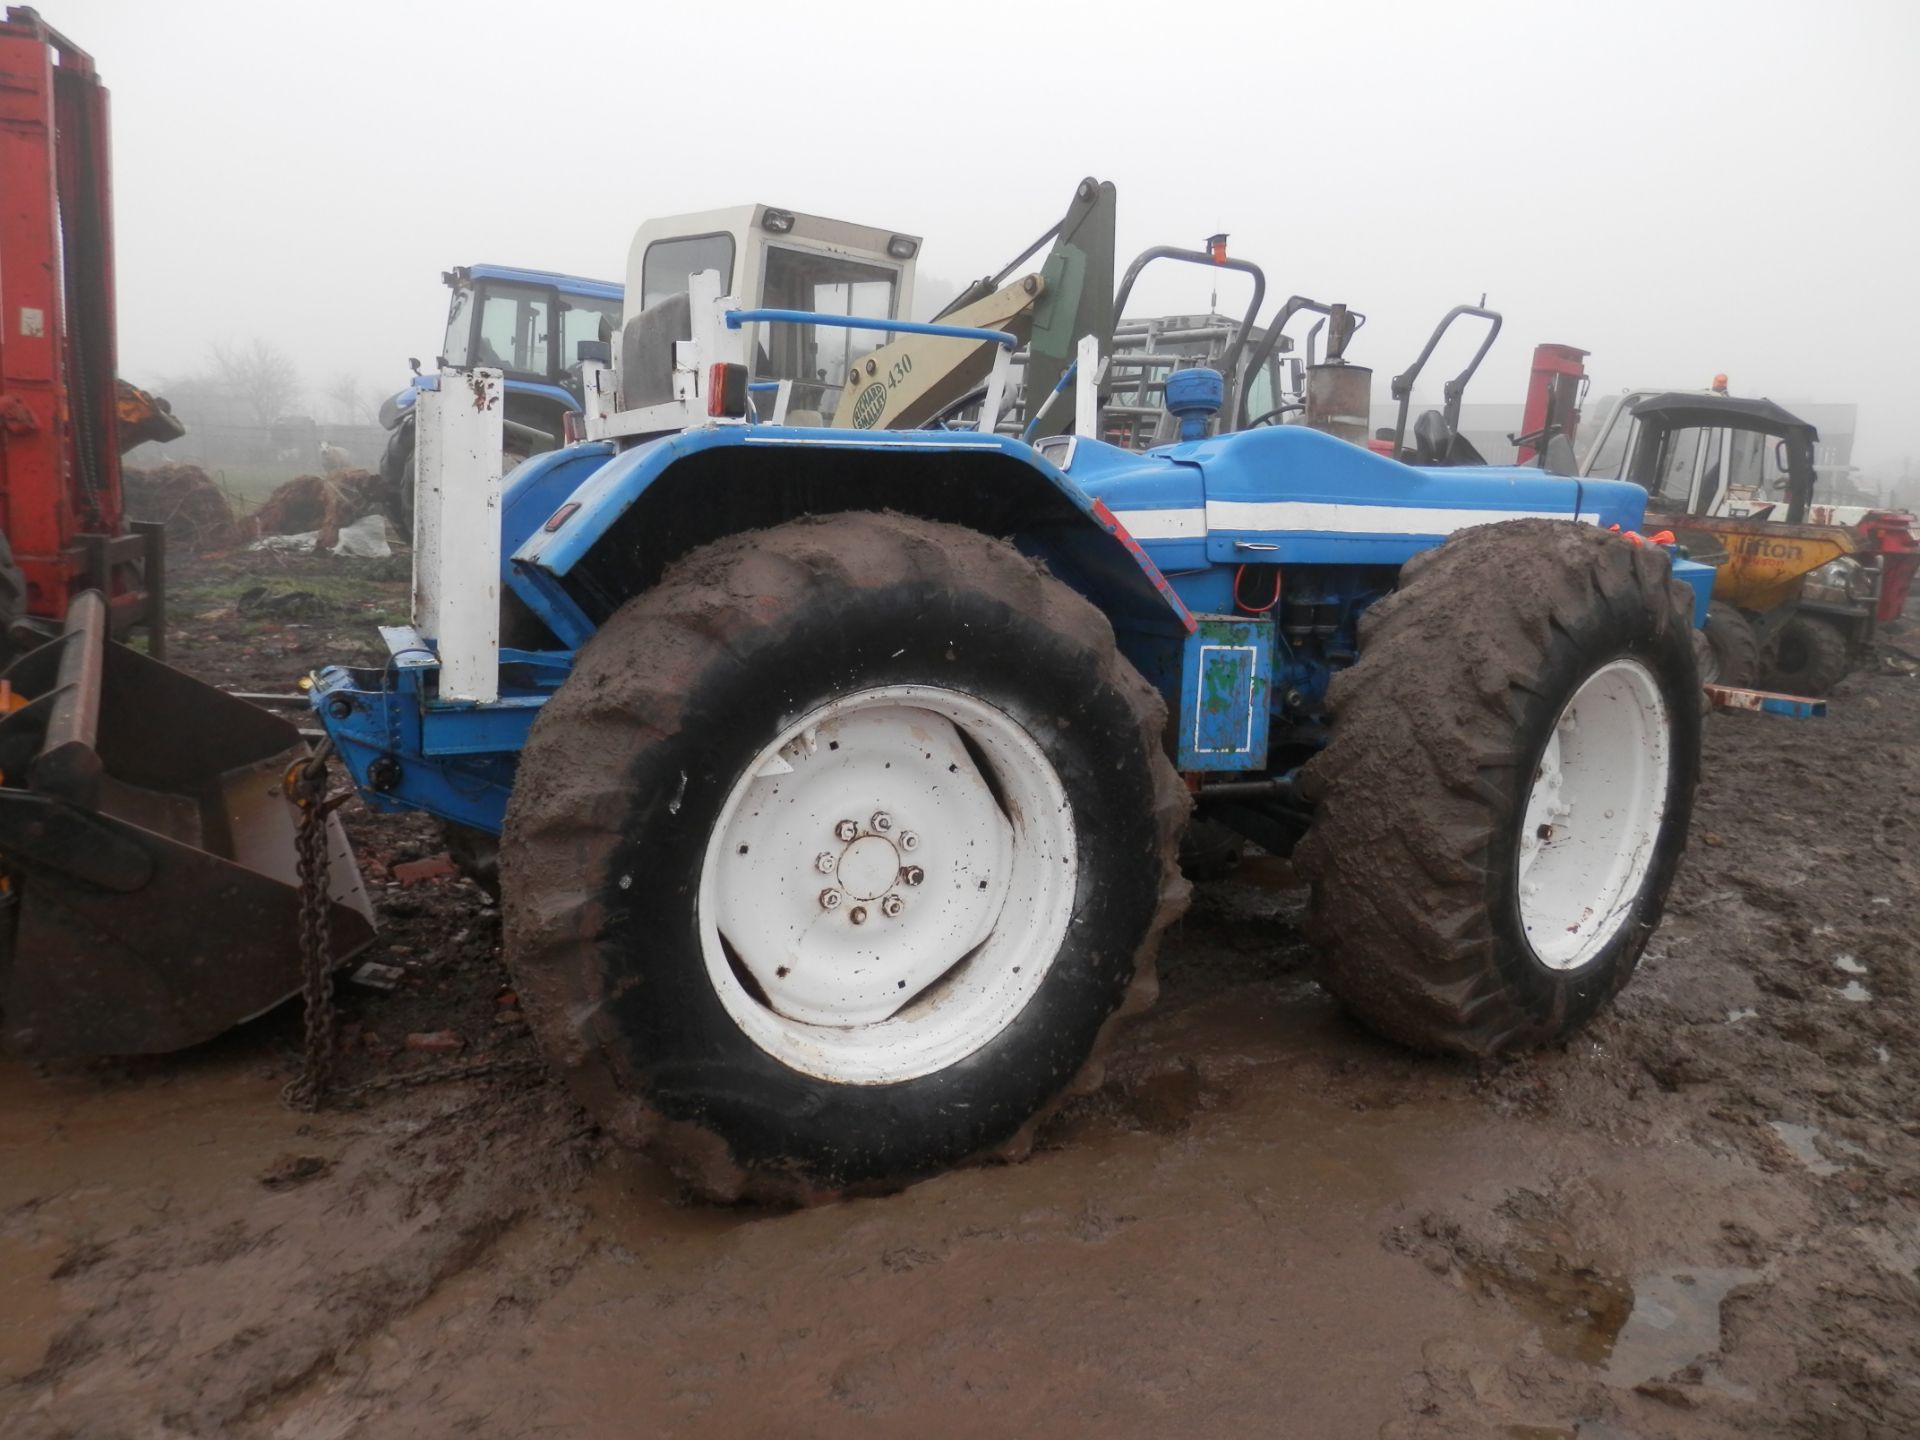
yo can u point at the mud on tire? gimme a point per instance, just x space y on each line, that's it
1440 734
623 792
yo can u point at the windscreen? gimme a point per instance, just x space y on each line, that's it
459 327
817 357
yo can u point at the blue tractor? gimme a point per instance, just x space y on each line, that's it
838 776
537 327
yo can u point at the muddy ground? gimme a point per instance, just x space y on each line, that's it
1699 1219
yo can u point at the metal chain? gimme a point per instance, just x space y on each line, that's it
439 1074
307 788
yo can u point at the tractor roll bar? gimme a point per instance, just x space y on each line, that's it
1456 387
1229 366
1264 347
736 318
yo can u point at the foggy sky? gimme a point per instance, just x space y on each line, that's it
1682 188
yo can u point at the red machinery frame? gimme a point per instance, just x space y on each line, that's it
1553 395
61 505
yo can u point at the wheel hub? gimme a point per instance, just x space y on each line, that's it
869 867
856 881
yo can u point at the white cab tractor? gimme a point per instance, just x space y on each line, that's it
774 259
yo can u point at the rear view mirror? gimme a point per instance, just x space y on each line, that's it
1780 455
1297 376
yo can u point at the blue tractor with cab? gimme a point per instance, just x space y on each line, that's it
537 327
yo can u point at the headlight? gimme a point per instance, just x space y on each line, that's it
1839 582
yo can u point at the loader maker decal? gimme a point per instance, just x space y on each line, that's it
871 405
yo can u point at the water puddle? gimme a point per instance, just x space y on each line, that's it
1854 992
1883 1055
1799 1139
1579 1310
1745 1012
1630 1332
1848 965
1675 1320
1805 1142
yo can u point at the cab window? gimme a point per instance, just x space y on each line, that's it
668 264
818 357
1679 461
1263 390
453 350
514 326
1746 468
1610 444
585 321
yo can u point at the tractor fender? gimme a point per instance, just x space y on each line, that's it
610 525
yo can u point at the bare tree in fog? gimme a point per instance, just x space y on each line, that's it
258 374
349 400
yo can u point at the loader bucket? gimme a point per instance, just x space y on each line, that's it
148 853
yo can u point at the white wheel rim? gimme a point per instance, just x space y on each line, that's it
1594 815
879 897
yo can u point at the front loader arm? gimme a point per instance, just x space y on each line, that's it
911 380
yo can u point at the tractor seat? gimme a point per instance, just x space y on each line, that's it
646 351
1435 444
1432 441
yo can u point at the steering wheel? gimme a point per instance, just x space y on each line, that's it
975 396
1270 416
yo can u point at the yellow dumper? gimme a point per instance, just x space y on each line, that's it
1794 603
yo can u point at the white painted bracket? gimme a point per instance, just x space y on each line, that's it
996 391
599 393
1086 389
456 530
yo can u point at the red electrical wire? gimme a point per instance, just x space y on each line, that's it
1240 570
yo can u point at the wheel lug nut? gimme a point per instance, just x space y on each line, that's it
913 875
829 899
824 862
909 840
858 915
846 830
892 906
882 823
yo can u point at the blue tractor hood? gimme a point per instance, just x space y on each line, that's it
1290 495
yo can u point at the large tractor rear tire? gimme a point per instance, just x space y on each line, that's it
1729 651
1808 657
838 855
1506 793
